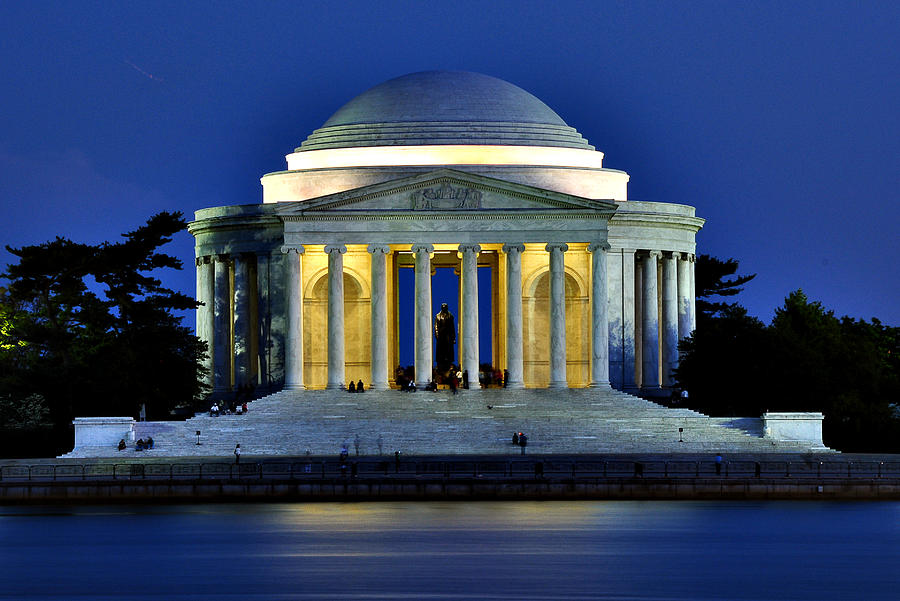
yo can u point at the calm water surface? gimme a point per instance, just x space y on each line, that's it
494 551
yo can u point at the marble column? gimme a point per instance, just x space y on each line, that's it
206 294
263 323
669 318
684 296
638 320
379 376
242 319
650 322
514 355
557 315
222 327
629 319
599 316
469 321
616 318
423 352
293 276
336 363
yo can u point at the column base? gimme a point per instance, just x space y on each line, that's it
600 385
335 386
558 384
515 385
379 386
294 387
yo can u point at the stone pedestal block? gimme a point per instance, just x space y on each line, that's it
794 426
102 431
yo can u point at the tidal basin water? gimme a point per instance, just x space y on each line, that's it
628 550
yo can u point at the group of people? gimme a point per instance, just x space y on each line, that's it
495 378
235 408
358 387
140 445
520 439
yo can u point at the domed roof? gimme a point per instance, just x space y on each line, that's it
444 108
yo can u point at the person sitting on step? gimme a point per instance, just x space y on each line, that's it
351 387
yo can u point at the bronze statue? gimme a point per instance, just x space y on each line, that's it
445 334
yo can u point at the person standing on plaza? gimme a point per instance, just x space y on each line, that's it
237 454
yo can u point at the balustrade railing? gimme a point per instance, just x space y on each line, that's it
453 469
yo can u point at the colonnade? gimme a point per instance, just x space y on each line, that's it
242 319
649 317
423 317
642 304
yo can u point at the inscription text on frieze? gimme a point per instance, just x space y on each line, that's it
446 197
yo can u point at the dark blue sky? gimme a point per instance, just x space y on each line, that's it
778 121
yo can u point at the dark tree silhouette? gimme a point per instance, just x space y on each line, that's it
712 279
91 330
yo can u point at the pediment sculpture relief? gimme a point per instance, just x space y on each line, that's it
446 197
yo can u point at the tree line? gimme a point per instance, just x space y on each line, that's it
806 359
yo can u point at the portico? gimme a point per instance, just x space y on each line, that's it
468 220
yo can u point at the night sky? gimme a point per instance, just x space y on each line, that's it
778 121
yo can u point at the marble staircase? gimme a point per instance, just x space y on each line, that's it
471 422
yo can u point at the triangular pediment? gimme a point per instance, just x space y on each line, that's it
442 191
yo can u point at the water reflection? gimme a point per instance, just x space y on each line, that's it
527 550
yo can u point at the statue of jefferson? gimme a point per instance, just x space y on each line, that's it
445 335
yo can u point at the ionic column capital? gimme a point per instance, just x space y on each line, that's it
417 248
560 246
675 255
513 248
335 248
598 245
379 248
296 248
650 254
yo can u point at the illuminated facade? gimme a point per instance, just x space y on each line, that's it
445 169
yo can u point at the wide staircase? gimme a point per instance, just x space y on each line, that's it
319 422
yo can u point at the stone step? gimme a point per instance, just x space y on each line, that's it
473 421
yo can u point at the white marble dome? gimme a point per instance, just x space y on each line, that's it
444 119
444 108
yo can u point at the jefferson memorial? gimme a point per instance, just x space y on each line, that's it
456 170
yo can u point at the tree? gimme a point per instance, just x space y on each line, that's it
805 360
846 368
91 330
711 280
721 363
